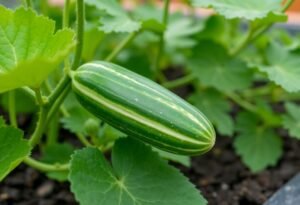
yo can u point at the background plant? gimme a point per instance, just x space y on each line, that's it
232 59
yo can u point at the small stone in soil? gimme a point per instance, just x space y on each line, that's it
287 195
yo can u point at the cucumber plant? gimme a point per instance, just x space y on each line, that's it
98 71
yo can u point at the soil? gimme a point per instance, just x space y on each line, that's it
220 175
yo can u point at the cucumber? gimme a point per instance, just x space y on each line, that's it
142 109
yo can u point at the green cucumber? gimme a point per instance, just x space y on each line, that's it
142 109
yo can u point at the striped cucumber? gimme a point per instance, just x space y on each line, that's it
142 109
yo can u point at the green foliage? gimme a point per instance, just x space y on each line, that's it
13 149
27 42
180 31
24 103
137 176
2 121
259 147
116 19
247 9
283 67
213 66
291 120
216 108
242 75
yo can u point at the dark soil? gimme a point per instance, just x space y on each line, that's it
220 175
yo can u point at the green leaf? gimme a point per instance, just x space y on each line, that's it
13 149
76 120
28 41
92 38
216 108
216 28
153 25
138 176
184 160
116 20
258 147
119 24
291 120
57 153
213 66
24 103
247 9
180 31
283 68
108 134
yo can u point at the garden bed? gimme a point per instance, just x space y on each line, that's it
224 180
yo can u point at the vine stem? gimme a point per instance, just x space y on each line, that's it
179 82
244 43
64 83
161 45
122 45
254 33
287 5
45 167
12 108
269 120
40 127
66 14
28 3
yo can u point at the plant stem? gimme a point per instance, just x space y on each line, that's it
12 108
29 92
52 132
55 106
46 167
83 140
179 82
287 5
161 45
244 104
40 127
244 43
64 83
268 118
66 14
80 34
39 97
28 3
122 45
253 34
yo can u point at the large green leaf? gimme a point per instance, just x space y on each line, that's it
291 120
138 176
247 9
283 68
216 108
116 20
13 149
29 48
213 66
180 31
259 147
24 102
